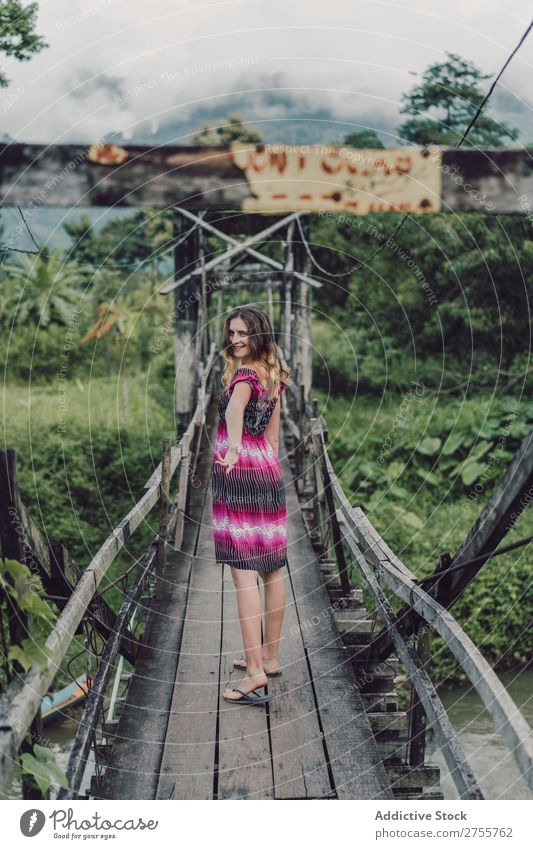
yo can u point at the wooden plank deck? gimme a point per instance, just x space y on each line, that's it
313 740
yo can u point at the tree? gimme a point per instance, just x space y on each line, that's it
125 241
122 319
444 103
364 139
17 34
232 129
40 290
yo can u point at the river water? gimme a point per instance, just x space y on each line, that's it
491 761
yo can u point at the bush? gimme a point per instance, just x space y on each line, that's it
435 478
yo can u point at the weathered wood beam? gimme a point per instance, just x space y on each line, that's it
22 698
185 321
340 179
287 306
302 295
510 497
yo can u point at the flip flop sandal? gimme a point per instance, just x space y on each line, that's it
275 674
248 698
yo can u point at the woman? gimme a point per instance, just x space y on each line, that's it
249 513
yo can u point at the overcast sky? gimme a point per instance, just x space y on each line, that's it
163 67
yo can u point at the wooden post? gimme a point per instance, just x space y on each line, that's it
183 484
270 306
218 319
287 328
307 453
335 529
163 519
443 583
314 478
302 310
300 454
13 547
318 486
417 718
186 319
201 317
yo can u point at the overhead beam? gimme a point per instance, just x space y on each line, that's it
268 178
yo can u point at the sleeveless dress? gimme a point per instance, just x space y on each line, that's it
249 510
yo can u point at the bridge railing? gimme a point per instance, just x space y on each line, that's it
21 701
346 536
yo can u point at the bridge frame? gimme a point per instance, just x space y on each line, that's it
378 565
506 176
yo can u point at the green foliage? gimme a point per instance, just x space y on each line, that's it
496 611
433 446
126 241
444 103
37 353
446 302
39 290
229 130
17 32
42 765
422 479
29 654
82 482
32 353
364 139
24 588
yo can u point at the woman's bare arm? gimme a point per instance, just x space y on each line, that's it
235 411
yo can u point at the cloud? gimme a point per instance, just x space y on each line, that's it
143 70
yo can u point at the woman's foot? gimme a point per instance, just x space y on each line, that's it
248 683
270 665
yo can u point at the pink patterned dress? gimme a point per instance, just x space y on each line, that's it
249 511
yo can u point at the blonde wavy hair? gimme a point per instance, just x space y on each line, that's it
262 346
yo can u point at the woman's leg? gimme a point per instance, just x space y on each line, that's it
249 609
274 583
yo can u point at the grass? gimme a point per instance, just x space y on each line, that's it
27 410
78 484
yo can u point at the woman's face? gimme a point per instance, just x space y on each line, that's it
238 337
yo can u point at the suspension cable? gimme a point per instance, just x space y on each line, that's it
366 262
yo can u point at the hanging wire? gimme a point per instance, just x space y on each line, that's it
436 576
360 262
4 249
29 231
407 215
494 84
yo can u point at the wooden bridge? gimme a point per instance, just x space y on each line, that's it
154 724
333 728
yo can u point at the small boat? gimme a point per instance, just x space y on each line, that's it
52 706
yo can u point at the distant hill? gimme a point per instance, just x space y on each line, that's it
296 124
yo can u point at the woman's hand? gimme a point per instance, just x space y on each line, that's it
232 455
